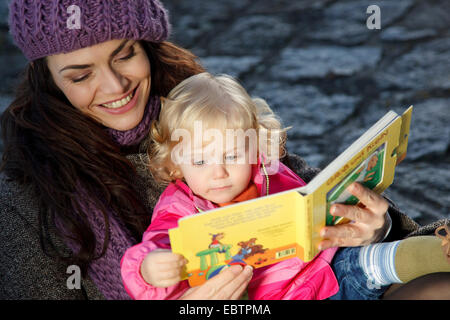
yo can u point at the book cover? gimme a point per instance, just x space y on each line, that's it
284 225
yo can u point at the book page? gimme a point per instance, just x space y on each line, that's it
256 233
369 173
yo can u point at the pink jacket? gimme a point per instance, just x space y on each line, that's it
290 279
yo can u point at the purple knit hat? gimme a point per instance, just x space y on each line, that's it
45 27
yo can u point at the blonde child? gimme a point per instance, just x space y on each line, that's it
191 153
211 177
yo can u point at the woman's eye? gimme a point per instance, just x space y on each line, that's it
80 79
131 55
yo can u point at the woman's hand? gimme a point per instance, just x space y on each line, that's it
162 268
229 284
368 220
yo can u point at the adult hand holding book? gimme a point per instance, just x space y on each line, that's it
228 285
369 220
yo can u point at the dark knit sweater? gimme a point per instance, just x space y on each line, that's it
27 273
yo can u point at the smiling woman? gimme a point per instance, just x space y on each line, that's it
113 87
81 112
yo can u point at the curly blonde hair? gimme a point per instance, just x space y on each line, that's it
219 102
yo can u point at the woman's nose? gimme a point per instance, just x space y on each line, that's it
112 82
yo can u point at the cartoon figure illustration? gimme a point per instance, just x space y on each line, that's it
215 243
372 163
374 170
248 249
241 255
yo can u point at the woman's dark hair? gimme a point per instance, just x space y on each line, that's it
53 147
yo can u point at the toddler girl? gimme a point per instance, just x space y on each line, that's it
203 172
215 176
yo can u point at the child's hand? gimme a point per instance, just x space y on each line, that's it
162 268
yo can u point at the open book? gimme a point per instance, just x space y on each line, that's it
269 229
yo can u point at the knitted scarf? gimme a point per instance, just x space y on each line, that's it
105 271
138 133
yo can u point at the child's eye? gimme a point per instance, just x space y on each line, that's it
231 157
199 162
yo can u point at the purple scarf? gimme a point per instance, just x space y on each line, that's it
105 271
138 133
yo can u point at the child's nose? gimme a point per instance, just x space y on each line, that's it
219 171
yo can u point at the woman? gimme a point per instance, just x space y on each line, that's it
74 189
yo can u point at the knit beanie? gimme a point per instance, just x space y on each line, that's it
46 27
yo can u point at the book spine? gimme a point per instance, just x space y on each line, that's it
308 228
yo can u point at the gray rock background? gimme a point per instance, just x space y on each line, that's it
326 74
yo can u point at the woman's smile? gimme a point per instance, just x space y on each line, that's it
119 102
121 105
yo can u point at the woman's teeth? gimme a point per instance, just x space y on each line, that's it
119 103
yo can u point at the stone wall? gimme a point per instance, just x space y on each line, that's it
326 75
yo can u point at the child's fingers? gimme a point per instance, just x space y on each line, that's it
168 257
165 283
171 274
162 268
174 264
169 266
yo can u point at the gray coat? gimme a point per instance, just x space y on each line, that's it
27 273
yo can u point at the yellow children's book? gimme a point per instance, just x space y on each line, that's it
269 229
